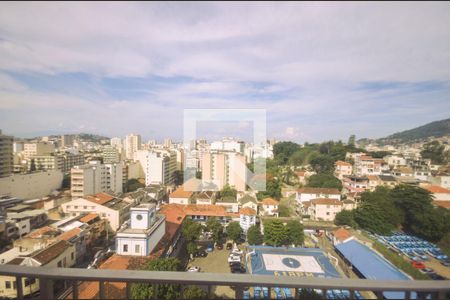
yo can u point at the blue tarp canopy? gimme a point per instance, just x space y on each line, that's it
372 266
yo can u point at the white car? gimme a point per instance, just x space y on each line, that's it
194 269
233 258
237 251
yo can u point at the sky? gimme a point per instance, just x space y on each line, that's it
321 71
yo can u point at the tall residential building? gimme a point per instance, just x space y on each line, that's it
222 168
110 155
167 143
132 144
59 161
227 144
38 148
67 140
157 166
116 142
94 178
6 155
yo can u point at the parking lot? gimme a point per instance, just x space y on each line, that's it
215 262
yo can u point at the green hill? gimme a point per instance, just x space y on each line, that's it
433 129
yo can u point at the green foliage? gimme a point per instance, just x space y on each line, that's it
282 151
191 247
275 233
324 180
322 163
273 189
215 227
191 230
351 140
435 151
283 210
178 177
399 262
164 291
227 191
294 232
345 217
133 185
444 244
435 129
371 217
234 231
254 236
379 154
194 292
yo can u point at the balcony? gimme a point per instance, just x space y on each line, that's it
425 288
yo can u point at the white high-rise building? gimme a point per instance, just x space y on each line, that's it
157 165
94 178
6 155
132 144
116 142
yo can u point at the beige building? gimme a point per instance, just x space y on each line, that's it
132 144
222 168
6 155
323 209
38 148
342 169
94 178
157 166
180 196
115 210
63 162
32 185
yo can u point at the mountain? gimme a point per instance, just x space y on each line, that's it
434 129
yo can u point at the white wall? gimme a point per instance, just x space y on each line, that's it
31 186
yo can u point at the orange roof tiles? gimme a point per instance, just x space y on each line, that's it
38 233
300 173
269 201
342 234
343 163
444 204
372 177
325 201
175 213
89 217
66 236
247 211
48 254
437 189
310 190
100 198
180 193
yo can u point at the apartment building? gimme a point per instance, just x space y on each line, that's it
111 155
59 161
342 169
157 166
108 207
323 209
6 155
222 168
367 165
228 144
95 177
307 194
38 148
67 140
132 144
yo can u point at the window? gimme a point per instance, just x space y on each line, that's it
76 206
14 285
8 284
68 206
125 248
30 281
139 217
137 248
59 264
72 256
85 207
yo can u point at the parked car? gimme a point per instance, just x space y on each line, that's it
427 270
435 276
237 251
219 246
194 269
232 259
445 263
418 265
229 246
210 248
238 269
201 253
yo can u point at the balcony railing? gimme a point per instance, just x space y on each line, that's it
46 276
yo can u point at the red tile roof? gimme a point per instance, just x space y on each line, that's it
89 217
247 211
269 201
343 163
437 189
38 233
342 234
372 177
444 204
180 193
66 236
100 198
48 254
325 201
310 190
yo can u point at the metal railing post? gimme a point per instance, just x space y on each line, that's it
239 294
101 287
46 288
209 291
128 290
74 289
19 287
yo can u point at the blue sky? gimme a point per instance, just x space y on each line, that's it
321 70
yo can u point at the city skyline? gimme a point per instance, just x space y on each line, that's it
318 75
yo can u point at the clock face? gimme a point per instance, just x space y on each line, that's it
290 262
139 217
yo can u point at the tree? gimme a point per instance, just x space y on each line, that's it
254 236
351 140
191 232
294 231
434 151
227 191
283 210
194 292
322 163
164 291
274 232
324 180
234 231
214 226
273 189
345 217
282 151
371 217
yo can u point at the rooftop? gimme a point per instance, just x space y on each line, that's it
325 201
269 201
88 218
53 251
437 189
310 190
180 193
100 198
247 211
